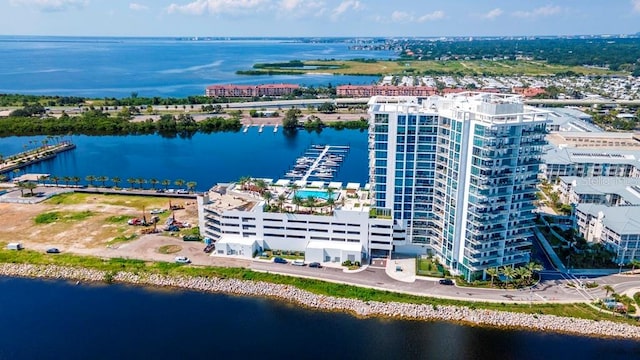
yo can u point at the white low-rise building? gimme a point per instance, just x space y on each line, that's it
240 222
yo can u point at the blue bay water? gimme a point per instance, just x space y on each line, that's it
116 67
205 159
46 319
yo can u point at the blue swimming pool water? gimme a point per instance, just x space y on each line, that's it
318 194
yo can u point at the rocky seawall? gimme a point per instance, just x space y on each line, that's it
329 303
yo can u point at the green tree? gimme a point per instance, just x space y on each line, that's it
116 181
267 195
131 181
297 201
141 182
55 179
508 273
191 186
290 119
30 185
179 183
166 183
154 182
281 199
90 179
493 273
75 180
103 179
608 289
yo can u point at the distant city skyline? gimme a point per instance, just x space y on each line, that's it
358 18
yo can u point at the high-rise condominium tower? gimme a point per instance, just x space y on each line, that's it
458 174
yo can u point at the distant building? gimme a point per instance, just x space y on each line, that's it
590 161
616 227
273 90
384 90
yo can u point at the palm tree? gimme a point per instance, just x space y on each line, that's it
43 178
3 178
267 195
191 185
634 263
261 185
16 172
90 179
493 273
179 183
166 183
131 181
30 185
281 199
153 182
331 202
140 182
103 179
66 180
297 201
55 180
243 181
115 180
21 187
508 272
523 274
608 289
76 180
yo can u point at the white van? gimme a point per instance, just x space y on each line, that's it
14 246
298 262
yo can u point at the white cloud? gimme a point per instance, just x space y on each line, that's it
138 7
494 14
345 6
436 15
636 5
405 17
301 7
200 7
548 10
52 5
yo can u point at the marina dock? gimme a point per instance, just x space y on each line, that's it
319 162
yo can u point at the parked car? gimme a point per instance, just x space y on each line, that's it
446 282
182 191
298 263
14 246
209 248
279 260
53 251
315 265
182 260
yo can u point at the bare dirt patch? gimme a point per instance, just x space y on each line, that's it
91 234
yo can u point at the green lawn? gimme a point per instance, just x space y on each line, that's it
415 67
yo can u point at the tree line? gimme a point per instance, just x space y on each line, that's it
98 122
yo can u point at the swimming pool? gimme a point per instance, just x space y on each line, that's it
318 194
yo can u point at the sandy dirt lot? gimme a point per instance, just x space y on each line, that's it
97 225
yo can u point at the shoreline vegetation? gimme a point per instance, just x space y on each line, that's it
370 67
576 318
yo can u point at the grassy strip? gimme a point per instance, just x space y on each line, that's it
428 67
577 310
63 216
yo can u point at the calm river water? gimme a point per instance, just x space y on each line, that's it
46 319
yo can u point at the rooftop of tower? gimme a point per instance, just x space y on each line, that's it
481 106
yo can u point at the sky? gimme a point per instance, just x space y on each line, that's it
351 18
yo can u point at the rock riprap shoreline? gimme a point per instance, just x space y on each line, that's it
322 302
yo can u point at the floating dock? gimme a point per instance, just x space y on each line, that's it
319 162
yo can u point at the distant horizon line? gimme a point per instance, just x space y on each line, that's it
219 37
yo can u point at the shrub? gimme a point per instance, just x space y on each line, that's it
346 263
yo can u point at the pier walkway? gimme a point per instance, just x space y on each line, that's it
30 157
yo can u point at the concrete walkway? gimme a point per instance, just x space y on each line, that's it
402 269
